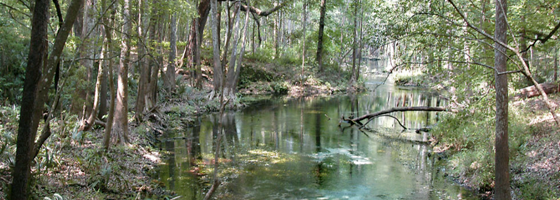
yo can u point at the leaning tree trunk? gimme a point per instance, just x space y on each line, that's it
35 62
501 170
87 124
235 78
192 50
36 88
120 123
229 90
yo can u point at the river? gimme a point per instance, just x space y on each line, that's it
287 148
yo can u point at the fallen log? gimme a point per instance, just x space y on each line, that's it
531 91
358 120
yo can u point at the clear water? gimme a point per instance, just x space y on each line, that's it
294 149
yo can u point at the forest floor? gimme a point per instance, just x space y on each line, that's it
536 168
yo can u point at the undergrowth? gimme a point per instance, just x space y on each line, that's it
467 139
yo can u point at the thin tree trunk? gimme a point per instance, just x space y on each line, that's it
26 133
87 124
120 123
36 89
170 72
353 78
304 23
153 64
109 48
502 185
87 52
216 47
144 68
229 90
360 42
229 31
277 34
241 52
555 64
319 57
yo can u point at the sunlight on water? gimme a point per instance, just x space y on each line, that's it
268 152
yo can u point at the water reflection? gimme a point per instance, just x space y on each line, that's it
294 149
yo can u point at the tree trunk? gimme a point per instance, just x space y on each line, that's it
229 90
153 65
304 23
502 185
353 77
170 72
144 68
86 51
235 78
216 47
192 50
120 123
319 57
109 47
26 134
277 34
360 42
87 124
36 88
532 91
555 64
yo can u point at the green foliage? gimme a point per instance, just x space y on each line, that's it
13 51
254 74
280 87
470 136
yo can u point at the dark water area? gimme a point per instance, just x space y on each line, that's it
283 148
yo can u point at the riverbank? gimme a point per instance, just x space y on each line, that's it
466 141
73 165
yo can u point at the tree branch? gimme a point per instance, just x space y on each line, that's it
398 109
543 40
260 12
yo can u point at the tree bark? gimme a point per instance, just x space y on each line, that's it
531 91
353 77
26 134
143 64
36 88
501 170
87 124
109 47
216 47
170 72
241 53
319 57
120 122
304 23
153 65
192 50
229 90
555 64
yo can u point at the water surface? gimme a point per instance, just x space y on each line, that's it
284 148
